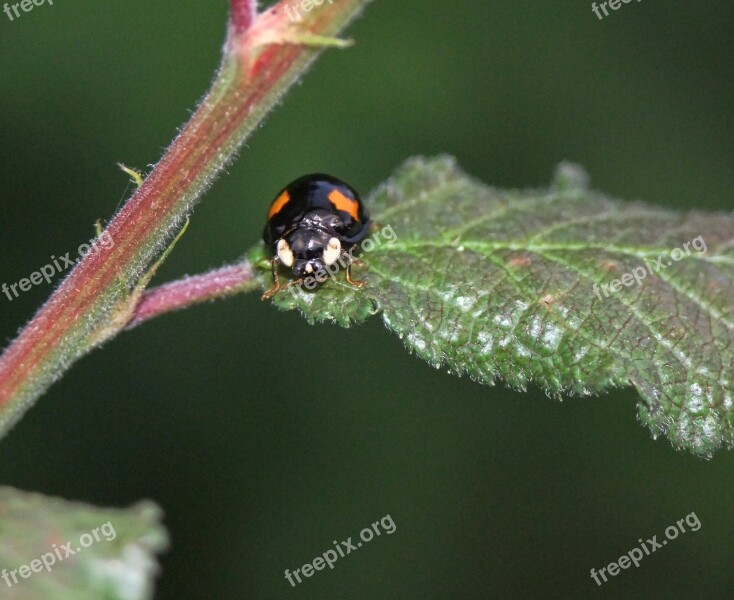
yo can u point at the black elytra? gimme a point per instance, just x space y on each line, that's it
303 221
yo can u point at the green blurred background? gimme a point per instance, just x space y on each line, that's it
259 442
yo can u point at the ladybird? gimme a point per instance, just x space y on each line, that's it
313 222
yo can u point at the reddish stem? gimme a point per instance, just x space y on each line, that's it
264 55
243 13
188 291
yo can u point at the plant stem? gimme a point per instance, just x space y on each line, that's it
242 14
227 281
263 56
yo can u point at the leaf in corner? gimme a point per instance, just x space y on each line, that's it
92 553
539 287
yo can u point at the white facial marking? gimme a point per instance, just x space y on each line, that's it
332 252
309 268
285 254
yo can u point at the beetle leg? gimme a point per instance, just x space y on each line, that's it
276 281
358 283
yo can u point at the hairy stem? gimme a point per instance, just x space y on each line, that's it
196 289
264 54
242 14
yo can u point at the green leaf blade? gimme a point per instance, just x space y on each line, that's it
508 285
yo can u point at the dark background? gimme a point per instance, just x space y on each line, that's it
264 438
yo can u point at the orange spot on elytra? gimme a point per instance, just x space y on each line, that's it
342 202
279 203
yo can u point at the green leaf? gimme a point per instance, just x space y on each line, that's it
508 285
113 549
